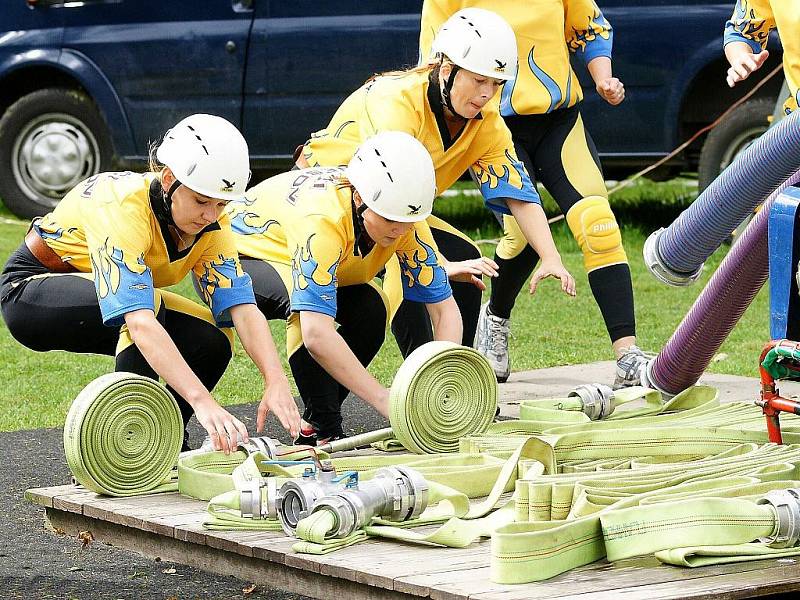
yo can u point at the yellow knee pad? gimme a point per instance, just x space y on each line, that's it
595 229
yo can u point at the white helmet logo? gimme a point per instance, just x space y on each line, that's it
228 185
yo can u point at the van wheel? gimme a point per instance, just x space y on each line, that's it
746 123
50 140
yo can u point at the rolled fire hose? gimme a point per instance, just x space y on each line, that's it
122 435
442 392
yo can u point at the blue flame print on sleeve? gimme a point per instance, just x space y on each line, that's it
596 40
249 223
314 289
744 27
223 286
496 185
424 279
48 233
120 287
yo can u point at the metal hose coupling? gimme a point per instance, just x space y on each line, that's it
267 445
297 498
786 504
660 270
596 399
395 493
258 500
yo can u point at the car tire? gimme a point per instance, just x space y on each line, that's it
50 140
746 123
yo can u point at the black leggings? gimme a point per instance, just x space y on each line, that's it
555 148
411 324
361 315
46 311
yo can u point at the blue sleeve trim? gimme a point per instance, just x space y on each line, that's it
301 306
120 289
733 35
598 47
494 197
426 295
117 317
224 298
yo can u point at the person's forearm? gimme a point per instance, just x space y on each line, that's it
533 222
330 350
446 321
600 68
163 356
257 341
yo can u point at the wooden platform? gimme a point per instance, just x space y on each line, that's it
169 526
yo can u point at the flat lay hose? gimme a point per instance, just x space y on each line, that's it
442 392
123 435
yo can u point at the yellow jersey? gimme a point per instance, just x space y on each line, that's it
113 226
547 32
306 220
751 23
407 102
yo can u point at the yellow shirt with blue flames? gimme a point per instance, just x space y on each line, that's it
548 32
406 102
106 225
751 23
305 220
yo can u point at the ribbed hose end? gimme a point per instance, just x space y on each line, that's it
649 380
660 270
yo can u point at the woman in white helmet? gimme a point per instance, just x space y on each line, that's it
542 108
90 277
447 104
312 240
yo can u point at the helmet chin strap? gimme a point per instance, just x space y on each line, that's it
447 88
166 197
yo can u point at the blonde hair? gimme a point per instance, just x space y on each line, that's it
433 64
153 165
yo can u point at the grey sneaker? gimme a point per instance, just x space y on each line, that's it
630 366
491 340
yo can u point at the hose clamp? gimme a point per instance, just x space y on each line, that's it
786 504
343 511
250 500
660 270
596 399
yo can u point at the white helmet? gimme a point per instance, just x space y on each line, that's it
209 155
480 41
393 173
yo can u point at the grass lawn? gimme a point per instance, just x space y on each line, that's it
548 329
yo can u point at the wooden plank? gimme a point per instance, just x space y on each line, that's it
73 502
233 541
775 579
192 532
217 561
165 524
273 547
44 496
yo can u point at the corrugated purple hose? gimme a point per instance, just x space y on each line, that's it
723 205
718 307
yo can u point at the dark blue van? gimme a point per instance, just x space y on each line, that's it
88 85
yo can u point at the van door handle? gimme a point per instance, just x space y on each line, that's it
230 46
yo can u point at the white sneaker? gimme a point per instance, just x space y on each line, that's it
491 340
630 367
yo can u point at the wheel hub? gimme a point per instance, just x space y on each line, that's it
52 155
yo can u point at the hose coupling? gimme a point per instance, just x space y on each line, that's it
596 399
660 270
786 504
